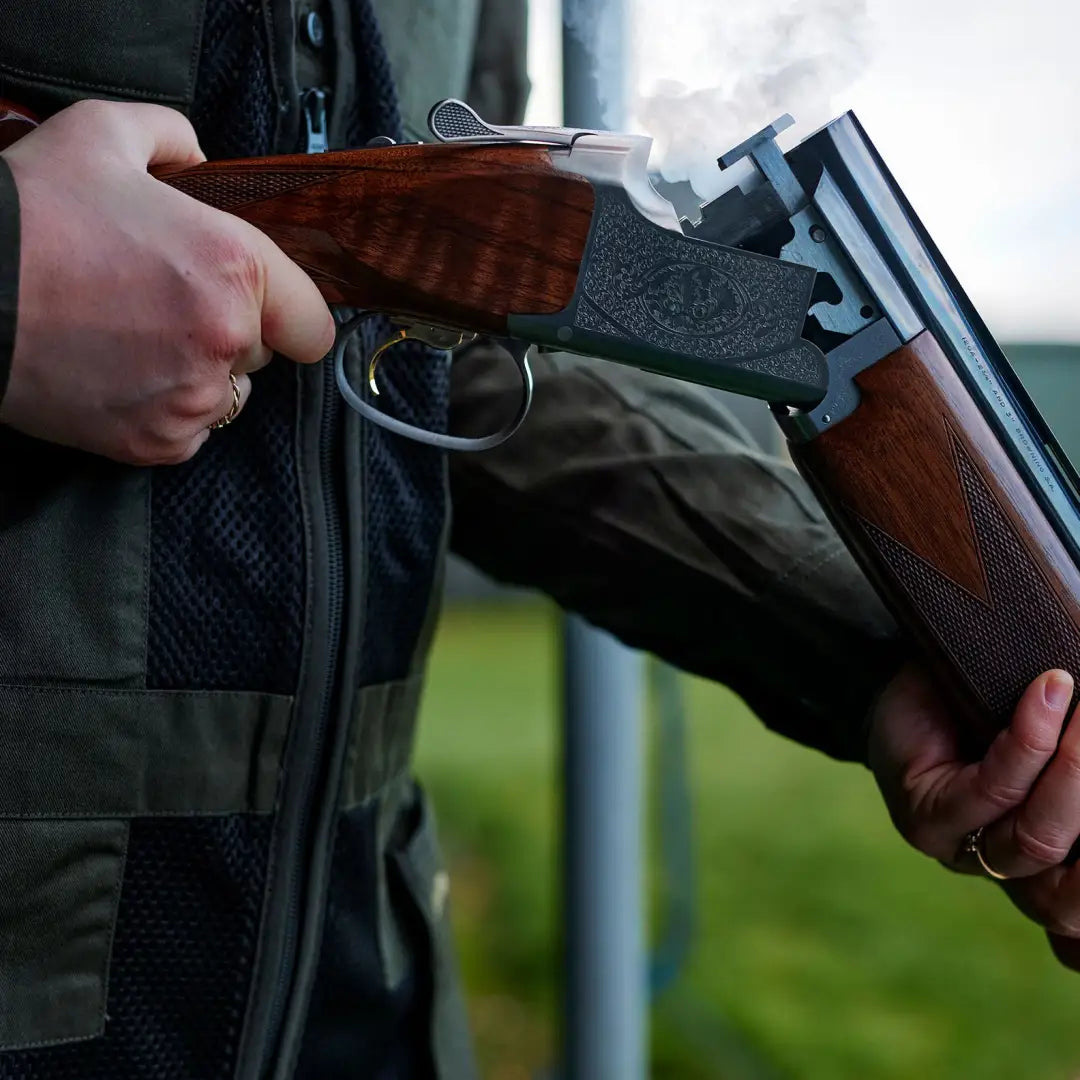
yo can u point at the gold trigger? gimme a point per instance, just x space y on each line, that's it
389 343
438 337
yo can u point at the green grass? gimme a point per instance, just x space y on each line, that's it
824 949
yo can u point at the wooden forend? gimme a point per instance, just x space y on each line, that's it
940 519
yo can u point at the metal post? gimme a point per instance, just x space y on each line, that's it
606 989
605 996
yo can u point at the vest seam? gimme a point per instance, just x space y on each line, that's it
196 49
79 84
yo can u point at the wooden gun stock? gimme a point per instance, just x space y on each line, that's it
941 521
14 123
460 236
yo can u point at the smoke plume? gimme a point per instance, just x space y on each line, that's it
760 59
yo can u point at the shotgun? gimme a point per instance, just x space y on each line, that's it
808 283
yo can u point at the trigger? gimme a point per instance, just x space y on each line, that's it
517 350
436 337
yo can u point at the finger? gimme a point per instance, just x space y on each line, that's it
1043 830
193 447
295 319
988 789
1066 949
1050 898
256 358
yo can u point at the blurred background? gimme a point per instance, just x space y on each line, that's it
793 934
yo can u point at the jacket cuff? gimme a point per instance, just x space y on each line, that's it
9 270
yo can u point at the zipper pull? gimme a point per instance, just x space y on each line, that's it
313 102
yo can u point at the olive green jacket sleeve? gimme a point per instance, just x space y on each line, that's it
641 503
9 270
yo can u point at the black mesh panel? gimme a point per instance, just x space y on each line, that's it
357 1025
233 109
182 957
226 573
406 507
227 554
376 111
406 501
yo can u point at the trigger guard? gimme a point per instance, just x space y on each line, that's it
518 352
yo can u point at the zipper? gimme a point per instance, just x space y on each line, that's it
313 106
313 102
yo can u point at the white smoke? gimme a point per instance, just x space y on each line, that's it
764 58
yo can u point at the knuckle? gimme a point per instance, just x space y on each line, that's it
97 122
92 111
1031 745
194 403
1064 926
922 836
227 258
134 448
221 302
1003 796
1068 761
1048 850
162 442
222 334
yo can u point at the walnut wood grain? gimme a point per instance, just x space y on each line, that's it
943 524
458 235
15 122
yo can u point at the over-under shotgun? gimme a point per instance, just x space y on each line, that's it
810 283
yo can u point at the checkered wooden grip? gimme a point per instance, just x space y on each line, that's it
943 524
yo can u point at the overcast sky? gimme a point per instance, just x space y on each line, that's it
972 103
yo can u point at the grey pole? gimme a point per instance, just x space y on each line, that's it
606 1019
605 1022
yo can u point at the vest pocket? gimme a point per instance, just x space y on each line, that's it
71 49
134 835
59 890
73 546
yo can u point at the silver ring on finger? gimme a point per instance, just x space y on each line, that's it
234 409
974 844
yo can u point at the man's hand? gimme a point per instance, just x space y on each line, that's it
136 301
1025 791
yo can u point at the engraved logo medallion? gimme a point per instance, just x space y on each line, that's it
693 299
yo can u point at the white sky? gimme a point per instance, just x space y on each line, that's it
973 104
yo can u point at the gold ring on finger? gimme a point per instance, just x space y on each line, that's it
234 409
974 844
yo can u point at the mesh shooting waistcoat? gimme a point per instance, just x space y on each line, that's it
226 611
